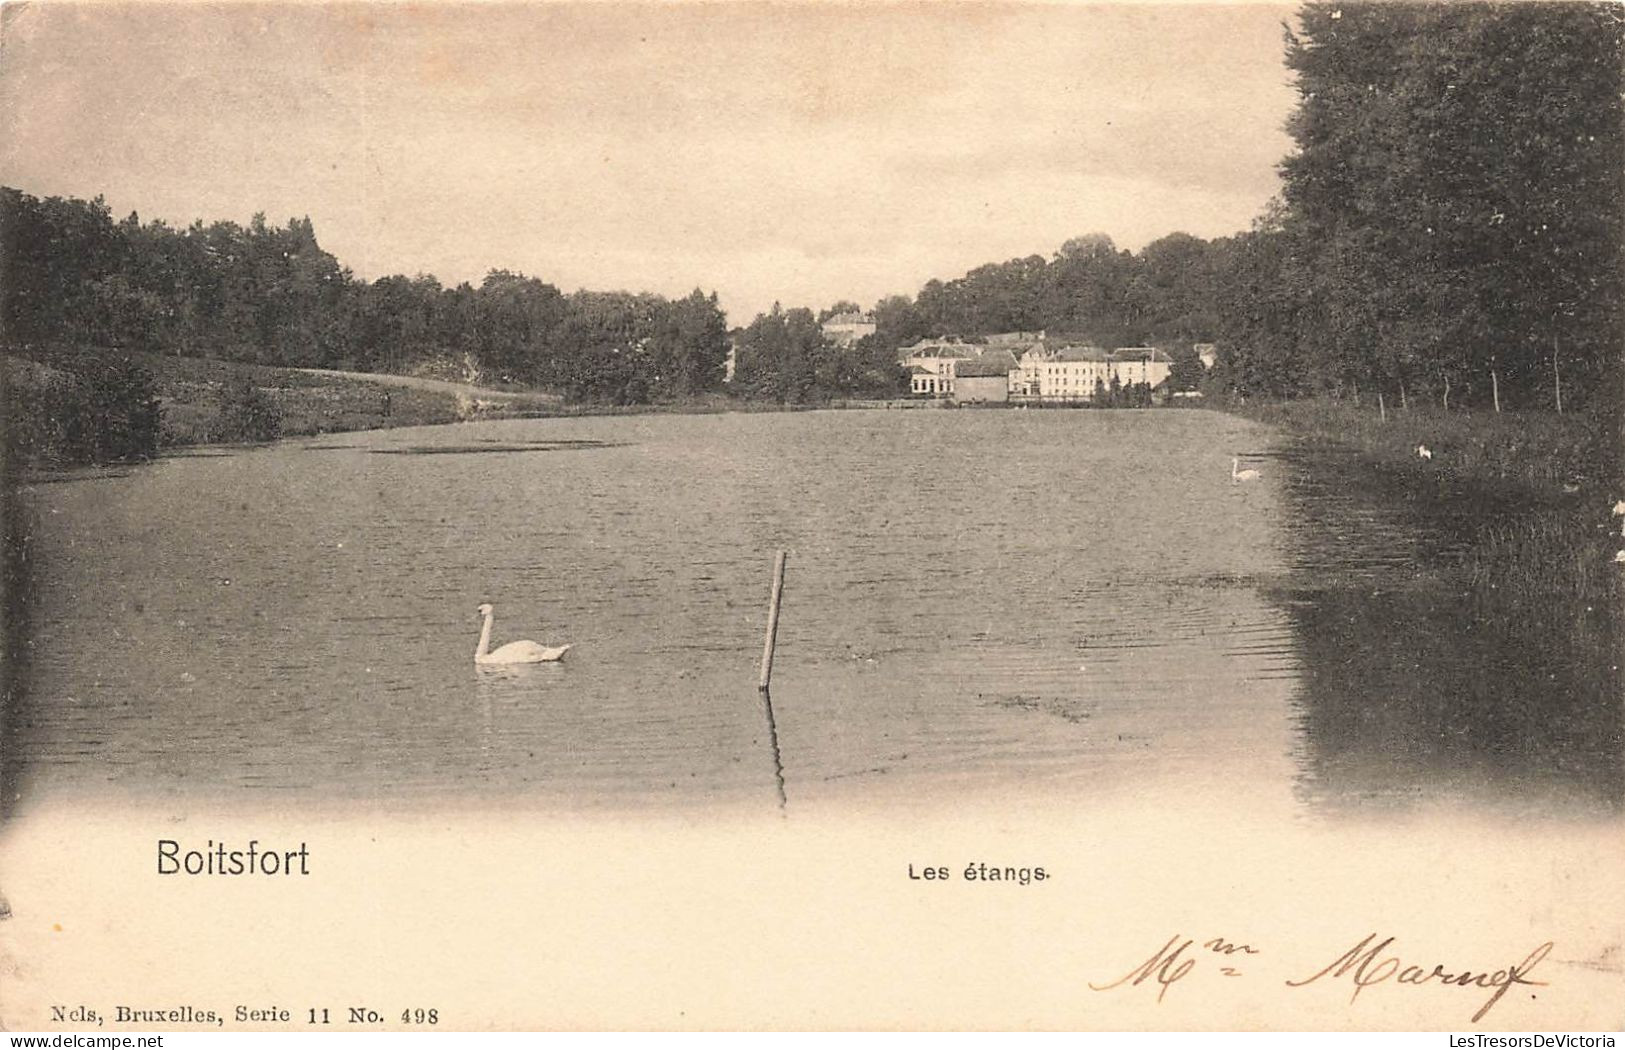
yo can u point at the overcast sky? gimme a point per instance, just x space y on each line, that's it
796 152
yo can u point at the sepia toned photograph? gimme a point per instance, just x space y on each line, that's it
812 515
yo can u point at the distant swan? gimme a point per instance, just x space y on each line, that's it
513 652
1423 452
1242 475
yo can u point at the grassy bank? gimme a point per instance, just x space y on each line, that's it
311 402
194 397
1535 455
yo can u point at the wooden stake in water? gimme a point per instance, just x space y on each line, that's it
1382 409
1557 378
772 622
1495 386
767 674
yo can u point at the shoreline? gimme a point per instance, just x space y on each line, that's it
1528 495
313 402
1537 457
1526 456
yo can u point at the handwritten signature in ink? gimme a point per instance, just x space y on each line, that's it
1372 961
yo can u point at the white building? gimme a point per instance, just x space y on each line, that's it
1141 364
848 328
1078 373
931 364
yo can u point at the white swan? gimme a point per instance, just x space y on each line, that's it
514 652
1242 475
1423 452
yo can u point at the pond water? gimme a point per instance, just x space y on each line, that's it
1058 605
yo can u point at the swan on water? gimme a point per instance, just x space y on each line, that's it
1242 475
524 652
1423 452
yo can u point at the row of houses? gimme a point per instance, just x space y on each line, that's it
1027 366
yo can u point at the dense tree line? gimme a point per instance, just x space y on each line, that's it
76 278
784 356
1091 290
1454 210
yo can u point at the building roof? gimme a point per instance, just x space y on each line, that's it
1122 355
1079 353
992 363
916 370
1140 353
937 348
850 318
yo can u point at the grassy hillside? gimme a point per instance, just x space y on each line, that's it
311 402
192 395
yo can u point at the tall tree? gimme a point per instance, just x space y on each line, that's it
898 322
689 346
1459 186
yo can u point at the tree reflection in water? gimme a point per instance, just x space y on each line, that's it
1438 663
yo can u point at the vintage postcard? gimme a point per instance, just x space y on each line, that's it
792 516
